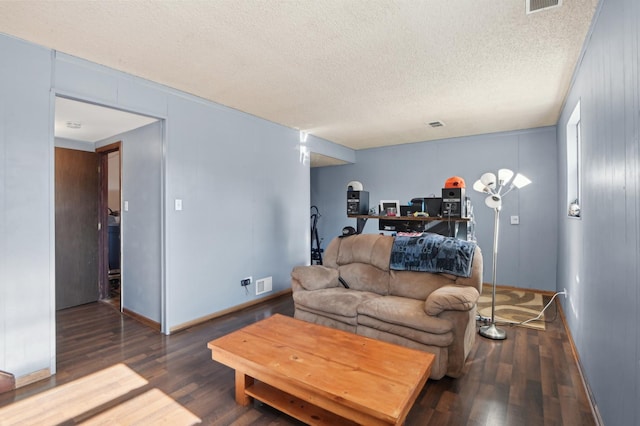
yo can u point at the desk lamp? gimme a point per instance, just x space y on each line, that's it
495 190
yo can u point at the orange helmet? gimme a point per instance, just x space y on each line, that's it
454 182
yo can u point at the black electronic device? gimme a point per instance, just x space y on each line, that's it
407 210
434 206
343 282
418 205
357 202
399 225
454 202
430 205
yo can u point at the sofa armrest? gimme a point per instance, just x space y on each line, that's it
451 298
315 277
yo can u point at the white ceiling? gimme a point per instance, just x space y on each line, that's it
96 122
359 73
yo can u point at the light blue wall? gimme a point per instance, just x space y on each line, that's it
141 224
244 188
600 252
246 207
27 301
527 252
330 149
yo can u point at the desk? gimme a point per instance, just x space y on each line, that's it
361 221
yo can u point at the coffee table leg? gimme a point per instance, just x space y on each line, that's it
242 382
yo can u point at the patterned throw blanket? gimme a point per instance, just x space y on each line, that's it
432 253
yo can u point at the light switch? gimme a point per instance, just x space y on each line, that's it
178 204
515 220
126 206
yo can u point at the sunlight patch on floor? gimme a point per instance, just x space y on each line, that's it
113 395
152 407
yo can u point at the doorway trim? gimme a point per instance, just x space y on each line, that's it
103 218
163 204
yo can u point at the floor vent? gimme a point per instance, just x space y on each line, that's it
538 5
264 285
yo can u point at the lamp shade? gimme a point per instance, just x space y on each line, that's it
520 181
479 186
489 180
504 176
493 201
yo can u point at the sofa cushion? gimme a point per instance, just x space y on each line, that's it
417 285
372 249
363 277
338 301
451 298
315 277
441 362
405 318
304 313
404 312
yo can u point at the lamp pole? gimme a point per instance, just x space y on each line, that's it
488 184
491 331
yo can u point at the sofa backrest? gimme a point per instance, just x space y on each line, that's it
363 262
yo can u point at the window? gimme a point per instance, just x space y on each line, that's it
574 135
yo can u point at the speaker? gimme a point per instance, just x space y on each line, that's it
434 206
453 202
431 205
357 202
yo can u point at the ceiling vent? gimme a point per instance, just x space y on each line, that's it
538 5
436 124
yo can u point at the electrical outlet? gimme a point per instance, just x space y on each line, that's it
565 293
245 281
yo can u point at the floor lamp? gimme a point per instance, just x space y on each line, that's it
494 188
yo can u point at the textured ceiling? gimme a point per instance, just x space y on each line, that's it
358 73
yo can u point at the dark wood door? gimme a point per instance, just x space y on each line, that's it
76 198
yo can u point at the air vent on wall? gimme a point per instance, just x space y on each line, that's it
264 285
538 5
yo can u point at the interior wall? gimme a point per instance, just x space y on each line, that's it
527 252
243 187
600 251
141 224
245 197
27 299
330 149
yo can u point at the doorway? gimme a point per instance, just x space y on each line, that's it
101 133
109 234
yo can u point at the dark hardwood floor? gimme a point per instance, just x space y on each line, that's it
529 379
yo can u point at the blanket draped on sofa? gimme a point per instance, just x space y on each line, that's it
432 253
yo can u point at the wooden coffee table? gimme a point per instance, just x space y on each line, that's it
321 375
